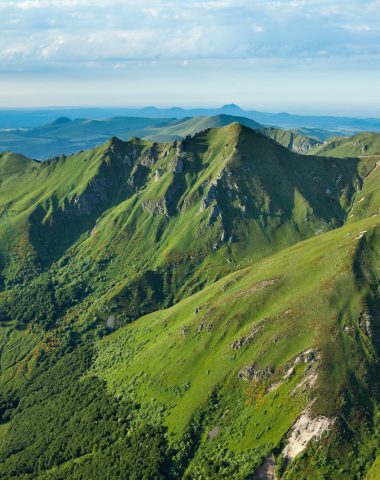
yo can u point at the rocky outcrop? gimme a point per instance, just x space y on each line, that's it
365 323
252 373
245 340
167 205
86 202
150 156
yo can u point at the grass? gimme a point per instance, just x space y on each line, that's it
128 230
165 359
360 145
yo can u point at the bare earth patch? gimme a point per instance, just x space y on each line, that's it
305 429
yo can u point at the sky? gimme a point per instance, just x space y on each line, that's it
302 56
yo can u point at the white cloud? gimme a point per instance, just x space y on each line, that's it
258 28
358 28
83 32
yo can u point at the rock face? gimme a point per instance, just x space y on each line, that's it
85 203
293 141
252 373
365 323
303 431
168 204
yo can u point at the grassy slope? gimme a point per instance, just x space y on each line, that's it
374 472
171 361
355 146
191 126
122 211
291 139
367 200
13 163
268 198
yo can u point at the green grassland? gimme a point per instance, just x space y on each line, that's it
356 146
169 310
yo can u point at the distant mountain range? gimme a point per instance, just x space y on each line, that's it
18 118
65 136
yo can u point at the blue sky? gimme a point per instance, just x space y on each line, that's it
300 55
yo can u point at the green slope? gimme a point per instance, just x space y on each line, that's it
291 139
360 145
13 163
191 126
225 195
173 361
237 275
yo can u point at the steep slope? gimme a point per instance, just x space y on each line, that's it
223 196
366 148
13 163
291 139
303 323
356 146
217 370
185 249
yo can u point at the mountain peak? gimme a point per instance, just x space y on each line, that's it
232 107
61 121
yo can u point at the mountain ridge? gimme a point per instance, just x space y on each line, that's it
71 136
180 294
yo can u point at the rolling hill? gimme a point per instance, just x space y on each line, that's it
356 146
202 308
30 118
66 136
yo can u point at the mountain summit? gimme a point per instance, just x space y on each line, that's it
206 307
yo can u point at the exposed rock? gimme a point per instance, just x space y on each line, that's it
150 157
312 358
350 330
185 330
179 165
156 207
245 340
158 174
112 322
213 433
216 210
257 287
365 323
201 326
168 204
308 356
210 197
252 373
86 202
303 431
